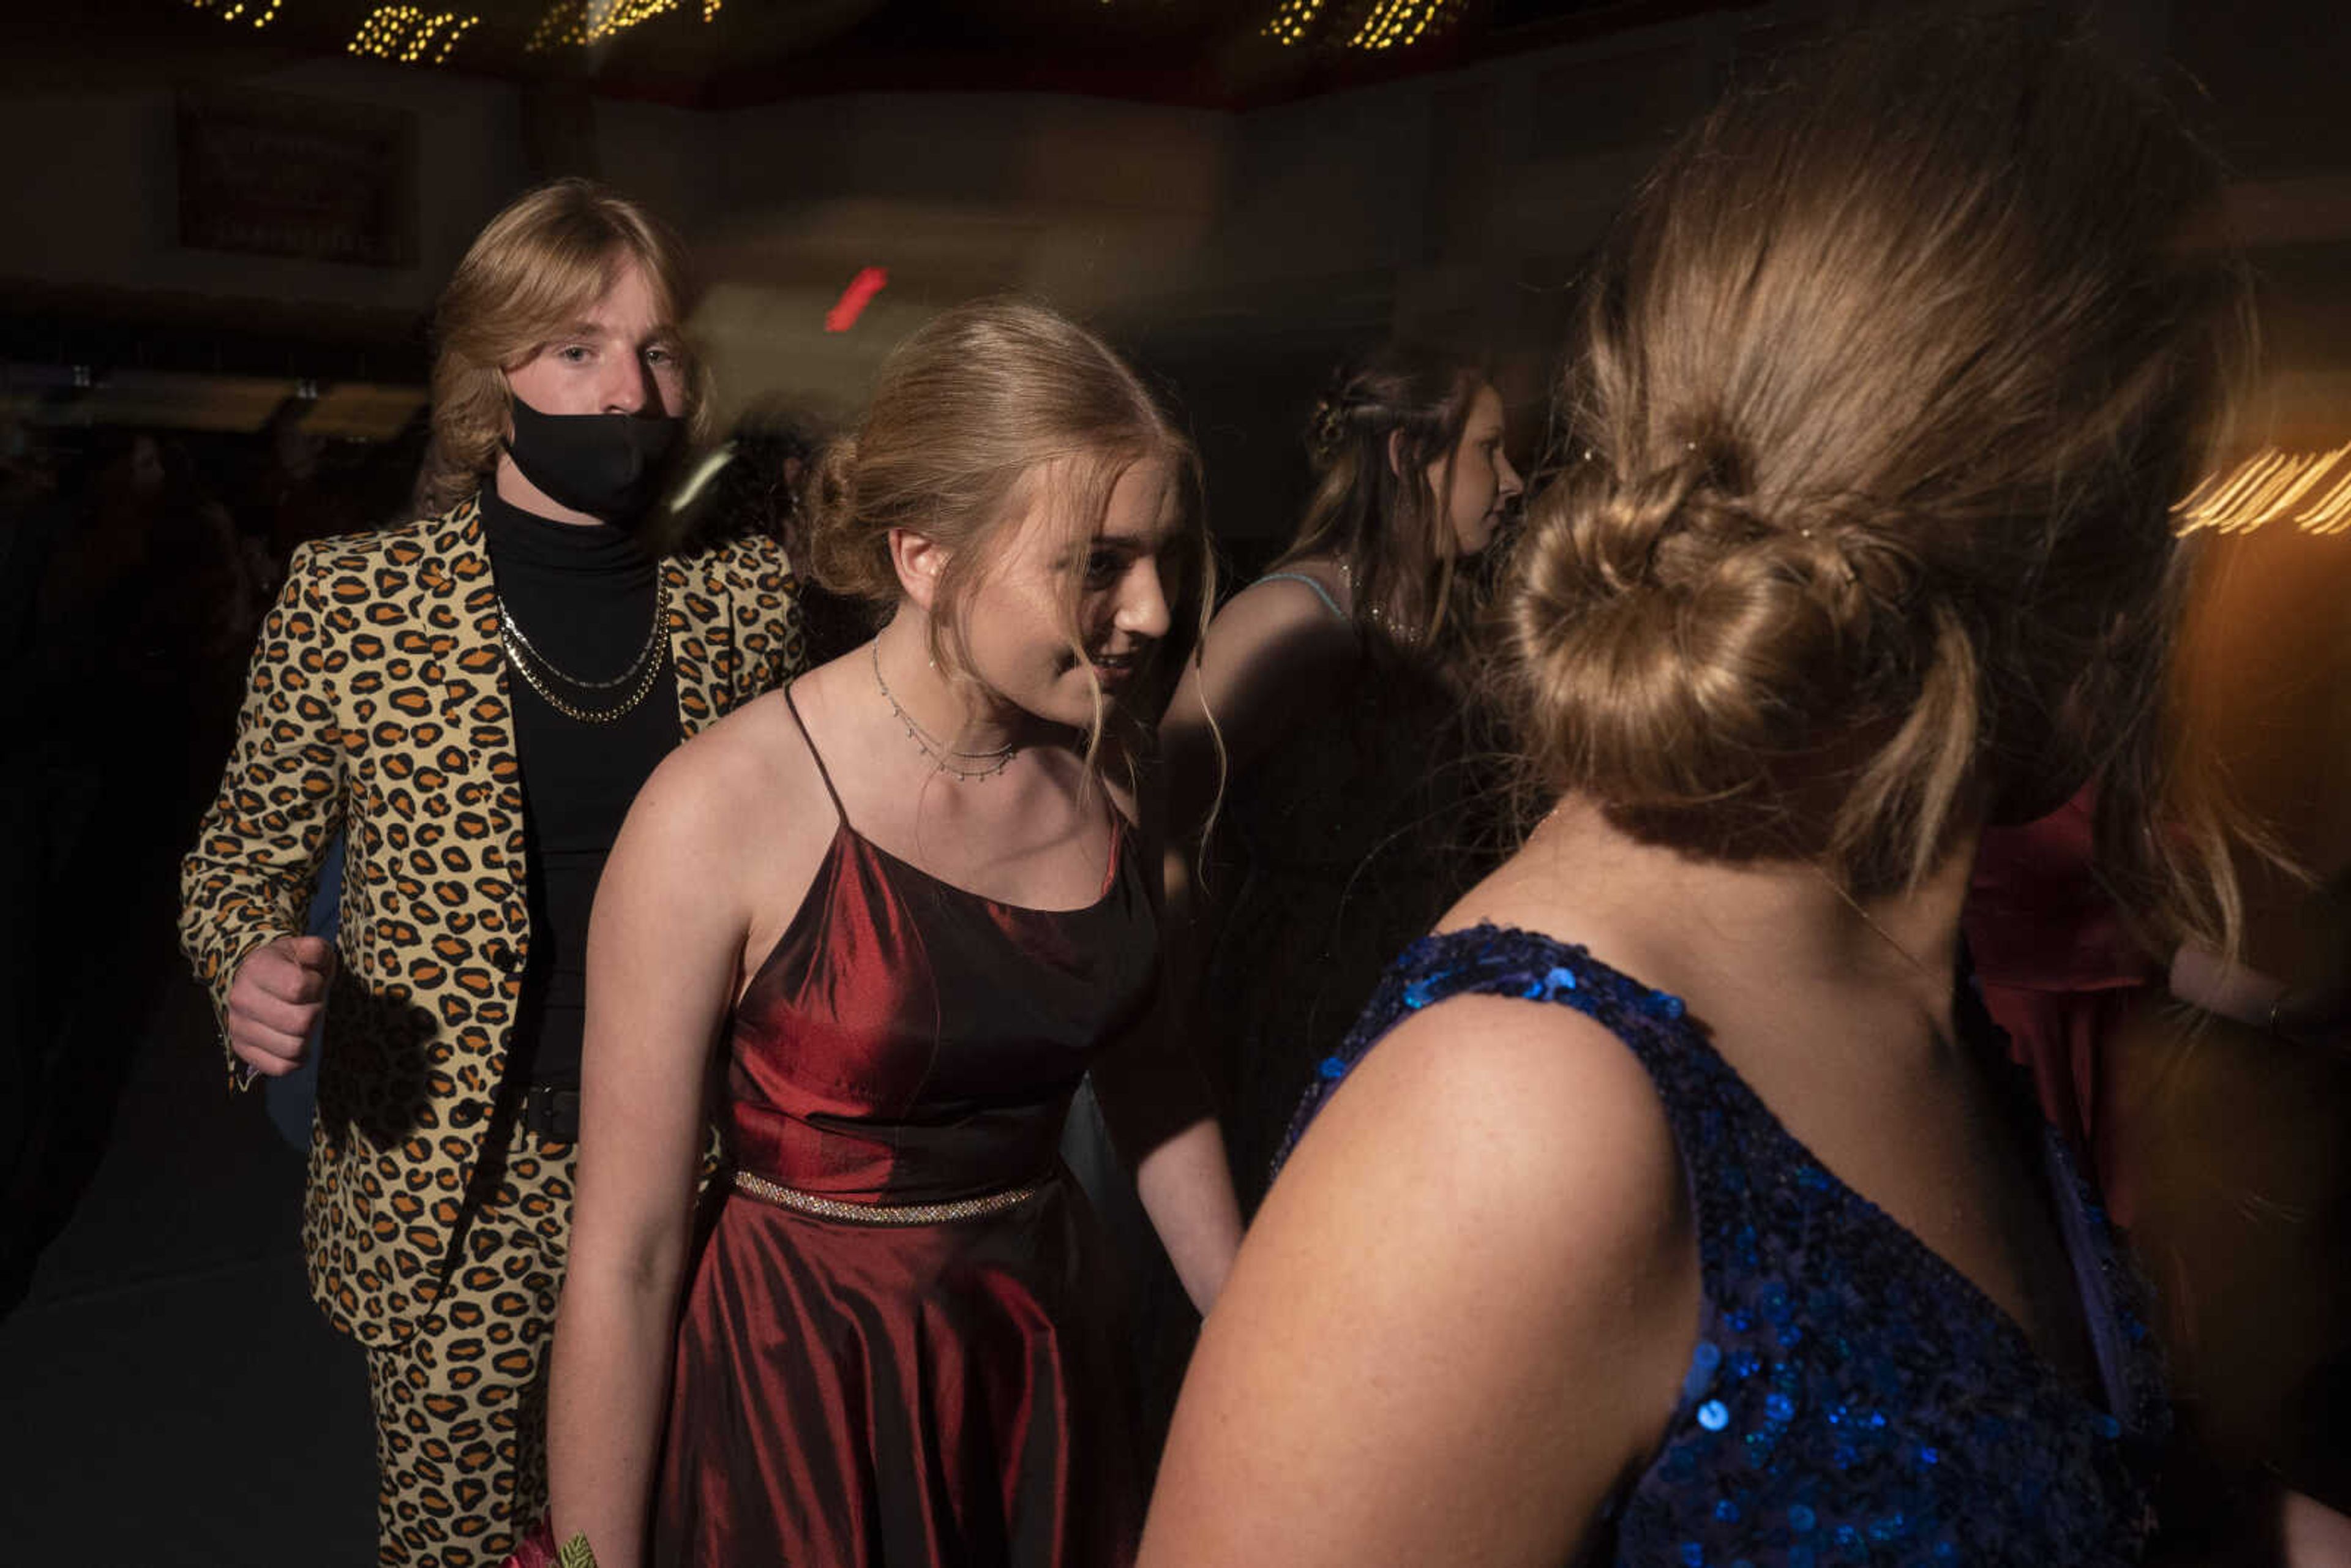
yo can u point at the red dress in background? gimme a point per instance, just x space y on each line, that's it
2059 972
851 1394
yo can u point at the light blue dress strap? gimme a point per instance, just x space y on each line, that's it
1320 592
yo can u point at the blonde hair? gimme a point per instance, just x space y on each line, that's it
985 409
1886 385
531 273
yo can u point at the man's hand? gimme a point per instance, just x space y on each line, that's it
275 1001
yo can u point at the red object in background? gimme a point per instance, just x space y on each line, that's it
2060 972
868 282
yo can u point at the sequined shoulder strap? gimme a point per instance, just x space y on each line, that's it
1493 961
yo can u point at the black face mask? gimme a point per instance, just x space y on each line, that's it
608 466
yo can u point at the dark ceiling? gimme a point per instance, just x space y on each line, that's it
696 54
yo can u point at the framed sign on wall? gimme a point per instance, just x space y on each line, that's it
267 173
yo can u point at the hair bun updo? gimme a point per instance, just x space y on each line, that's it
1675 648
844 557
1886 381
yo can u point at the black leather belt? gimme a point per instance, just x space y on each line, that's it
552 1114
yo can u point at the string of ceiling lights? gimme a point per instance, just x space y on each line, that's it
405 34
410 35
259 13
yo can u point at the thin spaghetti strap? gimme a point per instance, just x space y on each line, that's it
814 754
1320 592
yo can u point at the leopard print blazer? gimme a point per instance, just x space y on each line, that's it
377 703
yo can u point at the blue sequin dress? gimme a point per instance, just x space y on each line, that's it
1852 1398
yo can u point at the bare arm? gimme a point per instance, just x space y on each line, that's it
663 950
1155 1099
1275 653
1187 1189
2312 1014
2313 1535
1458 1320
1272 653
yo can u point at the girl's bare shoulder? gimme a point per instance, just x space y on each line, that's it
750 776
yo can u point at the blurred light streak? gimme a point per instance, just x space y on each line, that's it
868 282
2310 490
699 479
261 11
1383 25
404 33
593 21
1393 23
1290 24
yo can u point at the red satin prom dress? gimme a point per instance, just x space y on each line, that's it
2058 971
896 1348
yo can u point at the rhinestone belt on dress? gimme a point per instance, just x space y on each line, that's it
756 1185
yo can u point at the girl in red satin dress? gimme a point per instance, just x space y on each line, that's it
911 900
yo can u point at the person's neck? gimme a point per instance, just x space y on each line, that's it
520 493
957 714
1688 915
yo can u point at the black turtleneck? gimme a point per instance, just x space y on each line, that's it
583 595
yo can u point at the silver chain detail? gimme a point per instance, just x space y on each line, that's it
536 670
943 757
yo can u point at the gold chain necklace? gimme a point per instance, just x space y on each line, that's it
944 757
509 624
536 670
1929 975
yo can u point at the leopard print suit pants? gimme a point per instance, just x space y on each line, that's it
461 1404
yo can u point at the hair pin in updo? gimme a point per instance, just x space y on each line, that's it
1329 427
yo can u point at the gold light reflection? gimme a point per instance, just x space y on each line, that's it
2310 490
1385 24
405 34
592 21
1289 24
258 12
1393 24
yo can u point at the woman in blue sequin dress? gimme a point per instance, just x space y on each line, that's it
1686 1211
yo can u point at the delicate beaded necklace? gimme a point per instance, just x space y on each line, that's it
1377 614
957 765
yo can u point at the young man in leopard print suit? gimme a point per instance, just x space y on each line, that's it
444 695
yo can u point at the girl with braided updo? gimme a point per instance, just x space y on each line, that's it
914 893
1887 383
1330 689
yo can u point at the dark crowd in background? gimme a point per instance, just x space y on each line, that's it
135 567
